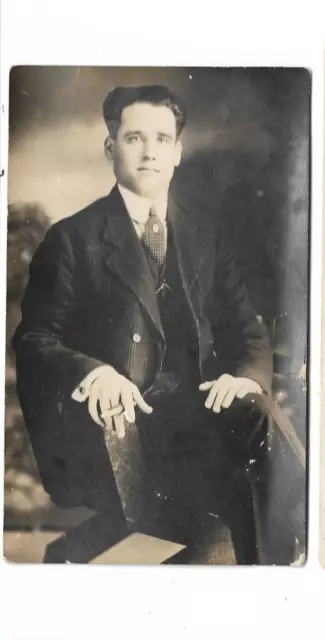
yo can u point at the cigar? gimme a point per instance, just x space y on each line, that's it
114 411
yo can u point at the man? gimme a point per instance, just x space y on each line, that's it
135 314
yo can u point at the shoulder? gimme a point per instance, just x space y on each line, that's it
84 220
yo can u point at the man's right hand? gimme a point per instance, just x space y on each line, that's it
112 399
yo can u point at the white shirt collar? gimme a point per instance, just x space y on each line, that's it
139 207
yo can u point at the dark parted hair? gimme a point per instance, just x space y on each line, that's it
157 95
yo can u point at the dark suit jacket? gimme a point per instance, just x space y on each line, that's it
90 291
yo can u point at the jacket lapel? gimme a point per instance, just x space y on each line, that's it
125 256
190 252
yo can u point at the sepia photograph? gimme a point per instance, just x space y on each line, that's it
157 349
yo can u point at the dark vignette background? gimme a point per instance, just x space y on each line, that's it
246 149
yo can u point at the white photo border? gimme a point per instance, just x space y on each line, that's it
41 602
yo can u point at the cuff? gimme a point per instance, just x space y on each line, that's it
81 393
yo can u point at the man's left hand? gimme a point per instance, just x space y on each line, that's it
223 391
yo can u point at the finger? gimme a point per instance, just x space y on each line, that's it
127 402
229 398
93 405
212 395
205 386
105 408
113 402
220 396
119 426
140 401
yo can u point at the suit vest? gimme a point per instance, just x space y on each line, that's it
180 368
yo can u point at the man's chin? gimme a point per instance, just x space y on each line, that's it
149 188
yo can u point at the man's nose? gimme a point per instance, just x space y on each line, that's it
149 151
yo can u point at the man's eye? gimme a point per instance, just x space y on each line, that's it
133 138
163 140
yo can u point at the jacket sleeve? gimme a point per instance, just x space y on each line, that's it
48 310
241 339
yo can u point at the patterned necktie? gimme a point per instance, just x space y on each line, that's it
153 238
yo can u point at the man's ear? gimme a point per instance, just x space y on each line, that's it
108 146
178 152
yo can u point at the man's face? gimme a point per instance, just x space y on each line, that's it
146 150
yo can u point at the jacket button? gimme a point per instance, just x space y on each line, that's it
136 337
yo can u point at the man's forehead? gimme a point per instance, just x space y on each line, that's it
149 116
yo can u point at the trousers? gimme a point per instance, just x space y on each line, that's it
197 459
191 460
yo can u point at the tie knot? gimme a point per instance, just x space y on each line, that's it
152 210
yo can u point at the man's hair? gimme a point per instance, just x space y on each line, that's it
157 95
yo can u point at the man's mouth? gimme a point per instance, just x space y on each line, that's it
148 169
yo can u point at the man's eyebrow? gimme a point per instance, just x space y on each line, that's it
132 132
164 135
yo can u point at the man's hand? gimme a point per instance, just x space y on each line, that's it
224 390
112 399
